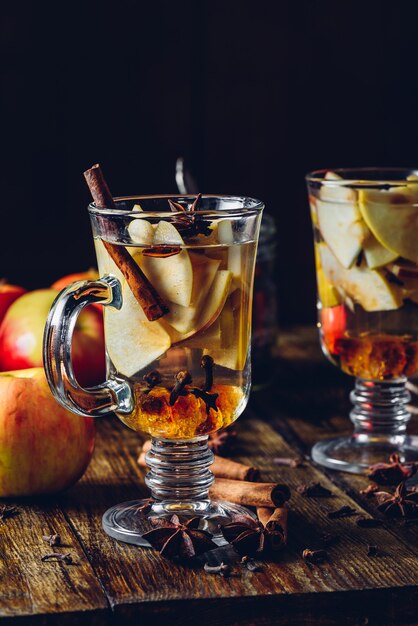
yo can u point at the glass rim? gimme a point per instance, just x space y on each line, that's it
233 212
361 179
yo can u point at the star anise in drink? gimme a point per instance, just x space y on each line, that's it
174 538
403 503
189 223
393 472
250 537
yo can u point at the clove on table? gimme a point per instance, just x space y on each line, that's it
52 540
57 556
224 569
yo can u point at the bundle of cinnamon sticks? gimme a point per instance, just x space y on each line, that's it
236 482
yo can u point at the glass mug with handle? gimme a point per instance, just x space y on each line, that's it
176 284
365 225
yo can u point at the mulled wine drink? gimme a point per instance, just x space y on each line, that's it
366 251
365 225
188 370
176 284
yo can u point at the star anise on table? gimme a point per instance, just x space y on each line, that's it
393 472
403 503
250 537
174 538
220 442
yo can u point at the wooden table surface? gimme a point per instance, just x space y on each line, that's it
116 583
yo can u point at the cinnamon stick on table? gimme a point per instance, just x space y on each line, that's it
146 295
221 467
250 494
275 522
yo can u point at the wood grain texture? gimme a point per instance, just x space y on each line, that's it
115 583
34 589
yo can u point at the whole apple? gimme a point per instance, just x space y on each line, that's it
91 274
44 448
8 294
21 336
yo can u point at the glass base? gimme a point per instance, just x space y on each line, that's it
355 454
125 521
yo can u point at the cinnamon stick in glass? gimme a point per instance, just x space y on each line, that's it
249 494
146 295
221 467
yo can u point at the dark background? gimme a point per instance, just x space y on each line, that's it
252 94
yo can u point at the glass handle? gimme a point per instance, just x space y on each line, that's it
102 399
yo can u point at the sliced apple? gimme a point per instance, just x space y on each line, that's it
226 236
141 232
204 271
375 254
367 287
210 308
328 294
343 229
105 263
215 300
185 319
132 342
392 216
171 276
167 234
336 192
235 334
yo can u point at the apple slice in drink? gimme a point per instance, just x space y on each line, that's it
367 287
343 229
210 308
185 319
132 342
328 294
171 276
392 216
235 334
335 190
141 232
226 236
375 254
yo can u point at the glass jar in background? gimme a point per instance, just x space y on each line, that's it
264 325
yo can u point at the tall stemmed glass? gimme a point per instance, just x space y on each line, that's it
365 226
176 285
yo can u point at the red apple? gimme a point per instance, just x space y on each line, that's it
8 294
334 324
21 335
91 274
43 447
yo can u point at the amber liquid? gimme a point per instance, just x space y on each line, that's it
184 336
372 345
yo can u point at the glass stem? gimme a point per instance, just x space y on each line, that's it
380 409
179 476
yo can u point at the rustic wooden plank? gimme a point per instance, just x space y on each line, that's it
139 582
45 592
